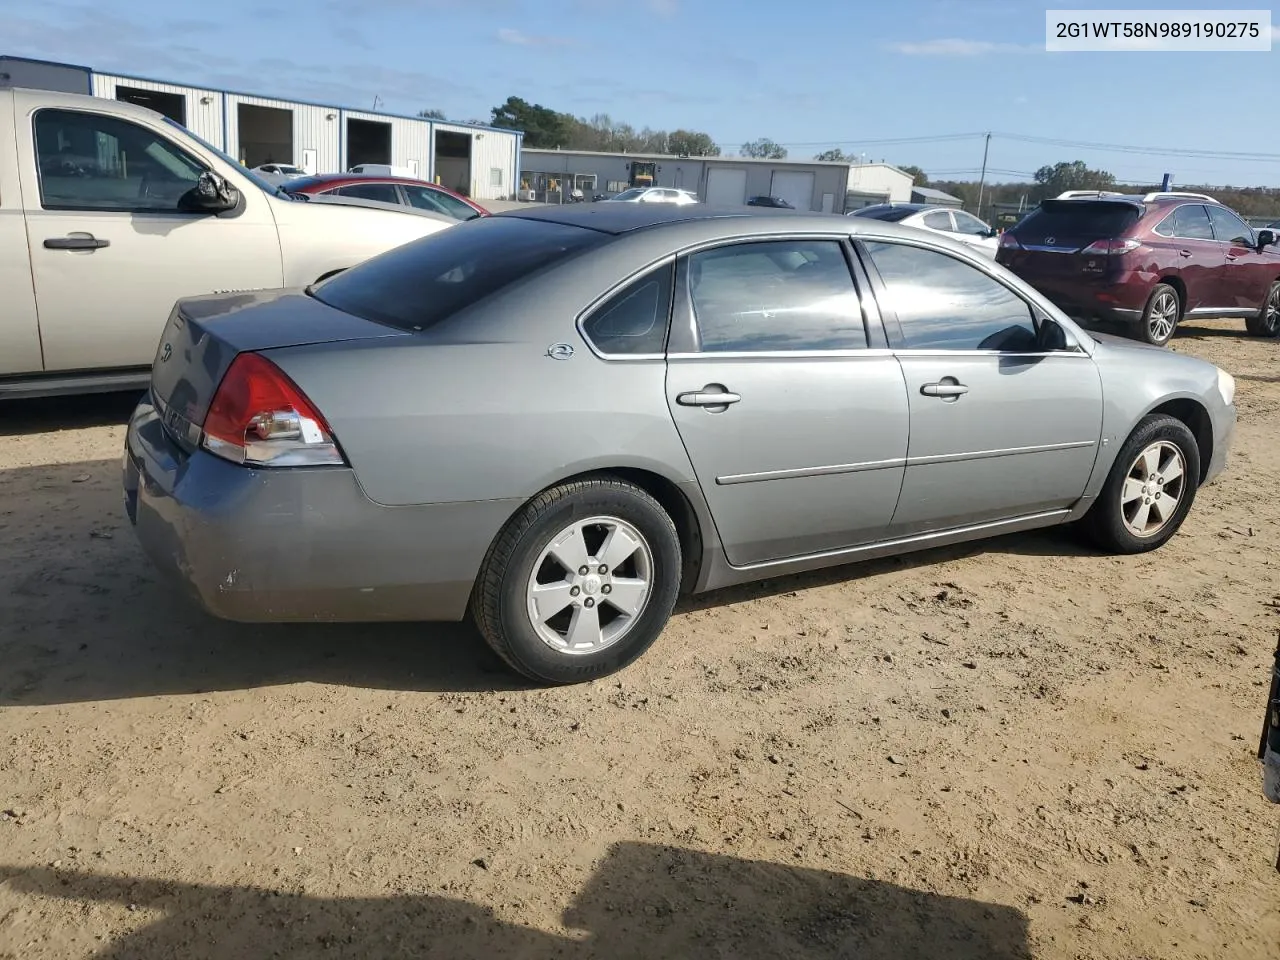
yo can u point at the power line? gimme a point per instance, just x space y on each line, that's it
1148 151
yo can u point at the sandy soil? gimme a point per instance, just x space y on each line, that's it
1013 749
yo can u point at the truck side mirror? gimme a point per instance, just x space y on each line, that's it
211 194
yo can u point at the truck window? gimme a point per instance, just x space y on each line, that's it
89 161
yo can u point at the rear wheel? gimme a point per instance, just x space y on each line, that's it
1161 315
1150 489
580 582
1266 323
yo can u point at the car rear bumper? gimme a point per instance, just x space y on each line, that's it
295 543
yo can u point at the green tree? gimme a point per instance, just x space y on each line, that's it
1071 175
542 126
764 149
691 143
918 177
834 155
432 114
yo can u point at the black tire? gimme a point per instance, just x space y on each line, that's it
1152 328
1266 322
1105 523
500 602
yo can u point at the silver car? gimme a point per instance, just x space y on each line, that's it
557 420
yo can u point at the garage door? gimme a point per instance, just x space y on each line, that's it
796 188
726 187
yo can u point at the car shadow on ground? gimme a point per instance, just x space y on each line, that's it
643 901
25 417
86 617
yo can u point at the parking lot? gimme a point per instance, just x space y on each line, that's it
1014 748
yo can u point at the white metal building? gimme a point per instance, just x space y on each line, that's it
724 181
871 183
475 160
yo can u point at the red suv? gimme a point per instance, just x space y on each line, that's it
1147 261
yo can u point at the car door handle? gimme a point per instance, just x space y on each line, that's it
1232 258
703 398
82 242
1184 253
946 390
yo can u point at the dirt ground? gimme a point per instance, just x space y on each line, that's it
1011 749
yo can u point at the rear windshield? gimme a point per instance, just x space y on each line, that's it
1076 218
416 286
892 214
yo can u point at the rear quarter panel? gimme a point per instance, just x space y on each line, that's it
318 239
476 409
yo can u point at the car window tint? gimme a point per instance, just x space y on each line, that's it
1076 220
425 281
1191 222
424 198
938 220
93 162
1227 226
944 303
634 320
775 295
385 192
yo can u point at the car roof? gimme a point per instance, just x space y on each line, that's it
626 218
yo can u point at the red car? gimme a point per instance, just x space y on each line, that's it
403 191
1147 261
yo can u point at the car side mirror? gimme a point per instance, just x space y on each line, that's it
1050 336
993 232
211 194
1266 238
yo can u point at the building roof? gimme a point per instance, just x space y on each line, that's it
672 157
936 195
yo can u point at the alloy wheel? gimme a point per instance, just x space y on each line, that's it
1163 317
590 585
1153 489
1272 316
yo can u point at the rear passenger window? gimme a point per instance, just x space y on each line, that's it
1191 222
383 192
633 320
776 295
945 304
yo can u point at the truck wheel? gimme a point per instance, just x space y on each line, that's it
1161 315
580 582
1150 489
1266 323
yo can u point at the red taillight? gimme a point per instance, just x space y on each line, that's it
1009 242
1111 247
260 417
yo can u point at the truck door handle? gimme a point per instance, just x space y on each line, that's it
707 398
948 389
85 241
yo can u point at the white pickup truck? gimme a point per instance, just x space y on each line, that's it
110 212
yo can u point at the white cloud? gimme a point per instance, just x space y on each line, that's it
955 47
1275 34
520 39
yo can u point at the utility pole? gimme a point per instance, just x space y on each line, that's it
982 180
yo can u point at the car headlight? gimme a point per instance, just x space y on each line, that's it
1226 386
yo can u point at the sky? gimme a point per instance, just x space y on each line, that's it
846 73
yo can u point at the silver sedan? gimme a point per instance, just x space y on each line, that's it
558 420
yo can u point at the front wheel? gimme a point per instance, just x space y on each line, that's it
1266 322
1160 316
580 582
1150 488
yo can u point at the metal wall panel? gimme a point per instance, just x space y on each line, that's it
312 129
203 118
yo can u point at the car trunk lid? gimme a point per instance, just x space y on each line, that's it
204 334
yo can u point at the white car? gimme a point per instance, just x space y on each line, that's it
654 195
110 213
279 172
955 224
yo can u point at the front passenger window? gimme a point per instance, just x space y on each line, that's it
90 161
944 303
